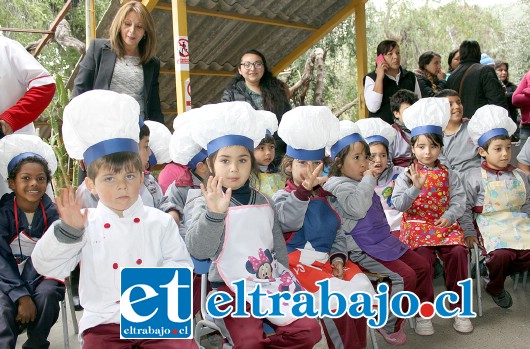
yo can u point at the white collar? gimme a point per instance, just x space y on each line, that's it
136 209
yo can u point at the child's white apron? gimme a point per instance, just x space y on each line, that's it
246 254
501 223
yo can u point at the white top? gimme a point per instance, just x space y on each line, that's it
159 136
153 241
487 118
376 127
373 99
430 111
182 147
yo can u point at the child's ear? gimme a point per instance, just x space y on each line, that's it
397 115
90 186
482 152
11 184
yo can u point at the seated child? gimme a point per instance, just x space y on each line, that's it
316 246
251 247
192 169
27 299
400 149
498 195
432 198
121 231
370 243
265 180
380 136
459 153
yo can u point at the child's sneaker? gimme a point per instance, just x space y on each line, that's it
504 300
397 338
424 327
463 325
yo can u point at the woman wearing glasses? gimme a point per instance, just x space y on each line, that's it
255 84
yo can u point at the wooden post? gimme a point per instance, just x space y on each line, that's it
362 60
182 55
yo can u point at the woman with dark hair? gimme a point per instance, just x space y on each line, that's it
255 84
477 84
501 68
126 62
453 61
387 78
430 75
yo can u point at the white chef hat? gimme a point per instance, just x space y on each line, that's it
17 147
376 130
428 115
159 136
270 122
307 130
226 124
490 121
349 133
182 147
100 122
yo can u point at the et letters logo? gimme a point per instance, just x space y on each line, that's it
156 303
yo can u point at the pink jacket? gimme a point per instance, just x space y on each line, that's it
521 98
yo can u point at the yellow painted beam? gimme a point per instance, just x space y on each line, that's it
239 17
200 72
181 49
151 4
315 36
362 56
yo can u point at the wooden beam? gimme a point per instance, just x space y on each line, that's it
53 26
200 72
239 17
315 36
36 31
362 56
151 4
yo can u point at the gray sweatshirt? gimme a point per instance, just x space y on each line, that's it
459 152
475 194
351 200
405 193
206 232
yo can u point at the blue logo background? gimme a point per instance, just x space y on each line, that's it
148 291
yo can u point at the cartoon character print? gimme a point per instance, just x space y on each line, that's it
387 192
289 283
261 266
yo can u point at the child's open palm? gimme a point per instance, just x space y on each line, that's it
312 176
70 209
414 174
216 200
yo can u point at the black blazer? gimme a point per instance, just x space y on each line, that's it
95 72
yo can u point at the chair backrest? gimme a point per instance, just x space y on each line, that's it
201 266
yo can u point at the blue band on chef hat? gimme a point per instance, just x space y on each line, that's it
14 161
307 155
199 157
109 146
377 138
152 159
229 140
421 130
490 134
344 142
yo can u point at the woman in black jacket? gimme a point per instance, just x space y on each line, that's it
430 75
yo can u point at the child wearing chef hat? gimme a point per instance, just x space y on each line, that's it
237 227
432 198
313 227
120 232
499 196
370 243
26 299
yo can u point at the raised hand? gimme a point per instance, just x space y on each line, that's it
27 311
369 172
216 200
312 176
414 174
70 209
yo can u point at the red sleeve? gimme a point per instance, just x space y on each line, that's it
29 107
519 98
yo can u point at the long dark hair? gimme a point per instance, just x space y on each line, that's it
275 93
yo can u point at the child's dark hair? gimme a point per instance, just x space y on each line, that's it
287 162
144 131
447 93
336 167
400 97
488 143
433 137
116 162
253 165
383 144
268 139
31 159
